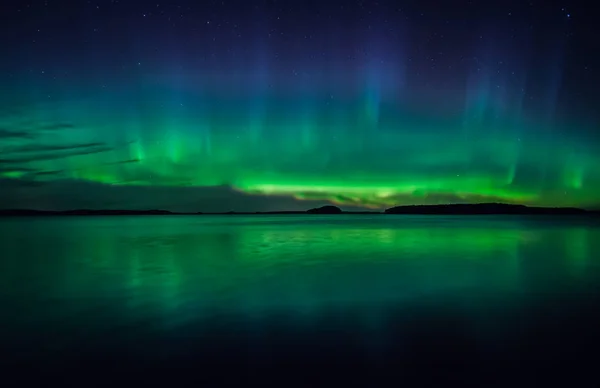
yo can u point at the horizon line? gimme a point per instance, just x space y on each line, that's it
333 209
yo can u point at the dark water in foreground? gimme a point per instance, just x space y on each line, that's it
361 299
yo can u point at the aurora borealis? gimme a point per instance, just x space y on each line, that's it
281 105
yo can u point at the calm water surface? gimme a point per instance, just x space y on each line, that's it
311 297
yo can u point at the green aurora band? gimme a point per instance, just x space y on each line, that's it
349 150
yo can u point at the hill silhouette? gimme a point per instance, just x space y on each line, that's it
329 209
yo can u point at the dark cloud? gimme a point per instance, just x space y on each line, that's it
15 169
11 134
36 158
77 194
56 127
57 172
43 173
47 148
31 173
121 162
10 187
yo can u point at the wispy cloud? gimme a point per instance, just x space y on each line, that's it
52 156
45 173
55 127
16 169
54 147
11 134
121 162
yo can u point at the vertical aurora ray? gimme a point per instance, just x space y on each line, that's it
259 81
372 98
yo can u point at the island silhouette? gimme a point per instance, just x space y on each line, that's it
329 209
449 209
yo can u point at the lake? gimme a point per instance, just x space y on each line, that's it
370 299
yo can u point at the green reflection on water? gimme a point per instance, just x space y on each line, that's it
184 268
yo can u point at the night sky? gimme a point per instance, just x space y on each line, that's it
285 105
